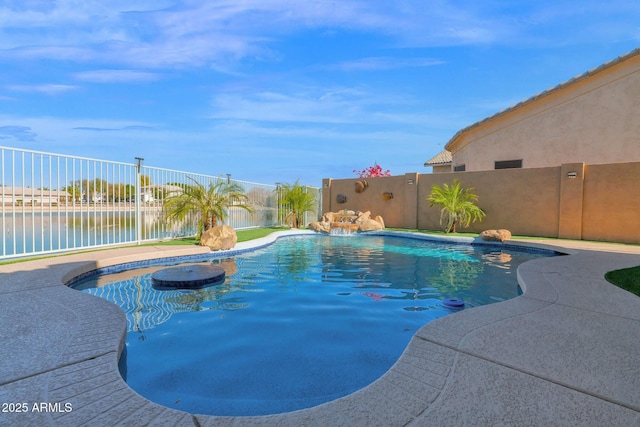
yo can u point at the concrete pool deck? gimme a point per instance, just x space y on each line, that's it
565 353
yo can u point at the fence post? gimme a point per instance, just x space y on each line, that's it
279 204
138 200
410 219
571 201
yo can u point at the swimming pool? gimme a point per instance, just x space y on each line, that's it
302 322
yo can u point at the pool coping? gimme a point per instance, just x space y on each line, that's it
566 352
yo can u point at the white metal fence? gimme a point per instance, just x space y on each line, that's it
53 203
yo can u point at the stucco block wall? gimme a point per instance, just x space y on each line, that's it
525 201
611 209
577 201
593 120
393 211
571 201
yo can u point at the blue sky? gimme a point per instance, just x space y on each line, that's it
280 90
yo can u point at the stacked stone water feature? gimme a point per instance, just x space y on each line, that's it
347 222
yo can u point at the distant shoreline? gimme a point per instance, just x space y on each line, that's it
77 208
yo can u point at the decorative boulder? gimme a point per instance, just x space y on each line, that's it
495 235
328 217
363 217
219 238
370 225
321 226
348 220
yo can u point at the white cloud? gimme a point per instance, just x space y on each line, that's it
170 34
19 133
197 33
279 107
106 139
349 109
116 76
66 127
49 89
385 63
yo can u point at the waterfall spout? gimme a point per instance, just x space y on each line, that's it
343 229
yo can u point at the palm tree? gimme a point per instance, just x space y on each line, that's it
458 205
210 203
295 200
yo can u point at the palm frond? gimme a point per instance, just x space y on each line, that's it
295 200
209 203
457 204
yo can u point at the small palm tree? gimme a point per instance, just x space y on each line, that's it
458 205
210 203
295 200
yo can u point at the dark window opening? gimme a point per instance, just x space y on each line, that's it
509 164
459 168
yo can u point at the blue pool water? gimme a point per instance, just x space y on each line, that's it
299 323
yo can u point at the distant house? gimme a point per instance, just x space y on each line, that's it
151 193
30 196
146 195
592 119
441 162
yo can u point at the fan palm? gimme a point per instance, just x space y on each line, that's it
458 205
210 203
295 200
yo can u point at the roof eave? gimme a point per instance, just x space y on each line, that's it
449 145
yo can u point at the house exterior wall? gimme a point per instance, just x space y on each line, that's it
441 168
593 120
574 200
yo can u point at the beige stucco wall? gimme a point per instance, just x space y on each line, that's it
611 210
441 168
393 211
571 201
576 201
593 120
525 201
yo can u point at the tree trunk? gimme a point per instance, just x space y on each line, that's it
207 222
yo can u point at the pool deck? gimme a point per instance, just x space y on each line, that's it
565 353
